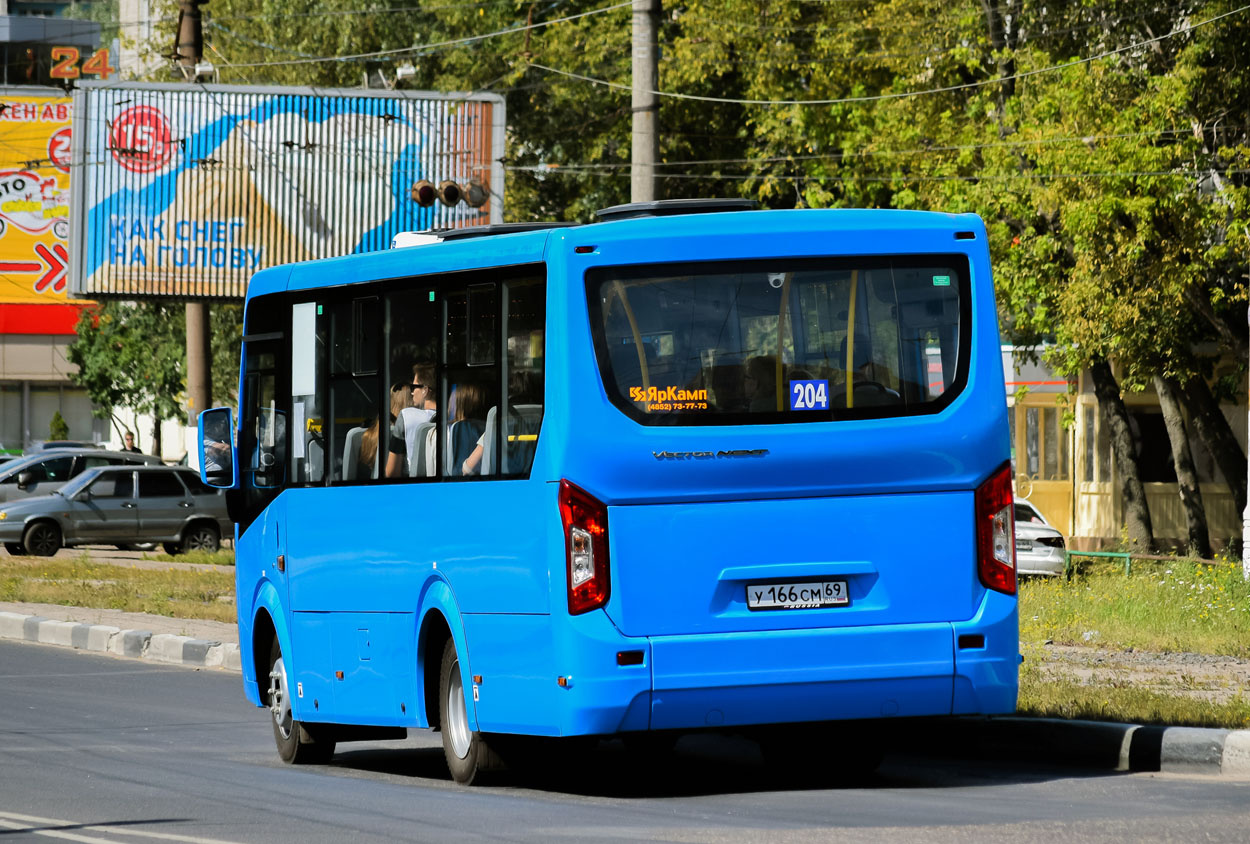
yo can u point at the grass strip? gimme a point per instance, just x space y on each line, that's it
1179 606
200 558
176 593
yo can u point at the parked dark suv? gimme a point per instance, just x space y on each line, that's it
44 471
119 505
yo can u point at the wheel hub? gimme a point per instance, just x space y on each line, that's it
279 700
458 718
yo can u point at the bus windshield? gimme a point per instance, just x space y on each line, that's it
780 341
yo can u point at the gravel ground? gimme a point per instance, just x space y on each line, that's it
1214 678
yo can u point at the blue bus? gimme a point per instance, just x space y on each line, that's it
691 466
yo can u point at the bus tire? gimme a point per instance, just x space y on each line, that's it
295 745
468 753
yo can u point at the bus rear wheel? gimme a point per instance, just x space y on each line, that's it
468 753
295 745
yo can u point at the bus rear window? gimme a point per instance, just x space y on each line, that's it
783 340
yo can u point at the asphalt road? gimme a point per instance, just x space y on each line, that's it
96 749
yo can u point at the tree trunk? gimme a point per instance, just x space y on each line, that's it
1136 513
1213 429
156 437
1199 542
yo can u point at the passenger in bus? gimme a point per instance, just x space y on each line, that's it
467 427
524 388
727 388
760 383
422 408
401 398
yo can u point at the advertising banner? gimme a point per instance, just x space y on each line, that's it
34 196
186 190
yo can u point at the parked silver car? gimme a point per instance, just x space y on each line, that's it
1040 548
119 505
44 471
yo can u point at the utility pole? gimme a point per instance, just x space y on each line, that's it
189 50
645 139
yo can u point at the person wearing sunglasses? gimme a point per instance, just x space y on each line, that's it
404 430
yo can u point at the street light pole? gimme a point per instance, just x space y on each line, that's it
189 51
644 141
1245 515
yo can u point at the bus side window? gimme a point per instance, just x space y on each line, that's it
354 386
510 447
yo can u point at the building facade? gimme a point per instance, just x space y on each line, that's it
1063 462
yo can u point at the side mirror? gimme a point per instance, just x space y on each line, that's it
25 479
218 458
83 495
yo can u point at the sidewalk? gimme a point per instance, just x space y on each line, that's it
175 641
216 631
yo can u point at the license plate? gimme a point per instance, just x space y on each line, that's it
1024 544
797 596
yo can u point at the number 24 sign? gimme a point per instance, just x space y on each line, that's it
65 64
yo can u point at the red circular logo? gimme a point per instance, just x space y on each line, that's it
139 139
58 149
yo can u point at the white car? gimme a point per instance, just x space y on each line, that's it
1040 548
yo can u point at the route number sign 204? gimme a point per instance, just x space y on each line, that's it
797 596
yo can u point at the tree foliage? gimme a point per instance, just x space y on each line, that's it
1105 142
133 355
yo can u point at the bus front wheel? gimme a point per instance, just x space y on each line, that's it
467 751
295 745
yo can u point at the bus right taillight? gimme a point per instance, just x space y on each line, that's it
995 530
585 521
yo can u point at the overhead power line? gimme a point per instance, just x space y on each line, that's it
851 177
423 47
902 94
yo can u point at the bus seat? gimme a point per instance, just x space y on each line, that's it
488 443
417 466
351 453
462 438
523 420
314 463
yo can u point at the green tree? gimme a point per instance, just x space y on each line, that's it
132 354
58 428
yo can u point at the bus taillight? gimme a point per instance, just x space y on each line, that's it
586 548
996 541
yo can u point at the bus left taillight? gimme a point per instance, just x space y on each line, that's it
585 521
996 528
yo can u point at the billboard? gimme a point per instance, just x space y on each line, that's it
34 196
186 190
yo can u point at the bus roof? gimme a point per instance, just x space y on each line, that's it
494 250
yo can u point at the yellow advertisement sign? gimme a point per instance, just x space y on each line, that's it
34 197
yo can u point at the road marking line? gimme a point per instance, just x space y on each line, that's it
51 833
116 830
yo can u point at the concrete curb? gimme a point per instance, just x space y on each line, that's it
1095 744
135 644
1108 745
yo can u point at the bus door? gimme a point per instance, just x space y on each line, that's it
262 449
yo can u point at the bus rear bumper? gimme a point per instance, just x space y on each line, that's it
987 672
785 676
